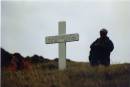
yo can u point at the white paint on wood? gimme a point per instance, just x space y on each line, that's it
62 38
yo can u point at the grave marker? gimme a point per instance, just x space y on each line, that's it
62 38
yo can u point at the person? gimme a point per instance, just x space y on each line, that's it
100 50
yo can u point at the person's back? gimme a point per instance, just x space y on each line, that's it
101 49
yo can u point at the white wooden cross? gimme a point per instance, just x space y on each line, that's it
62 38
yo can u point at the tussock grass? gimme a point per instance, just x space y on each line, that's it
76 75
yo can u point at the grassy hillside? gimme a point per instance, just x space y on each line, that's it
76 75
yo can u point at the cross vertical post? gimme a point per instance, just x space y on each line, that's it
62 38
62 46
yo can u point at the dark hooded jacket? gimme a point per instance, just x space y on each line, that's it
100 51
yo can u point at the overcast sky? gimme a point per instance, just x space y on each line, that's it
26 24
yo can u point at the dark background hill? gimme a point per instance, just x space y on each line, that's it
15 61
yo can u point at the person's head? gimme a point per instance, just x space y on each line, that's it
103 33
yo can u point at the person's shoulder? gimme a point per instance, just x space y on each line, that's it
98 39
109 40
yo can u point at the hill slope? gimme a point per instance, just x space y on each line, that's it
37 71
76 75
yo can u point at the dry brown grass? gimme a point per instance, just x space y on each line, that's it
76 75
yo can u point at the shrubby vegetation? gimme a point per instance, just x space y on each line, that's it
77 74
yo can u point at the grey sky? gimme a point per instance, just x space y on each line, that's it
25 25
